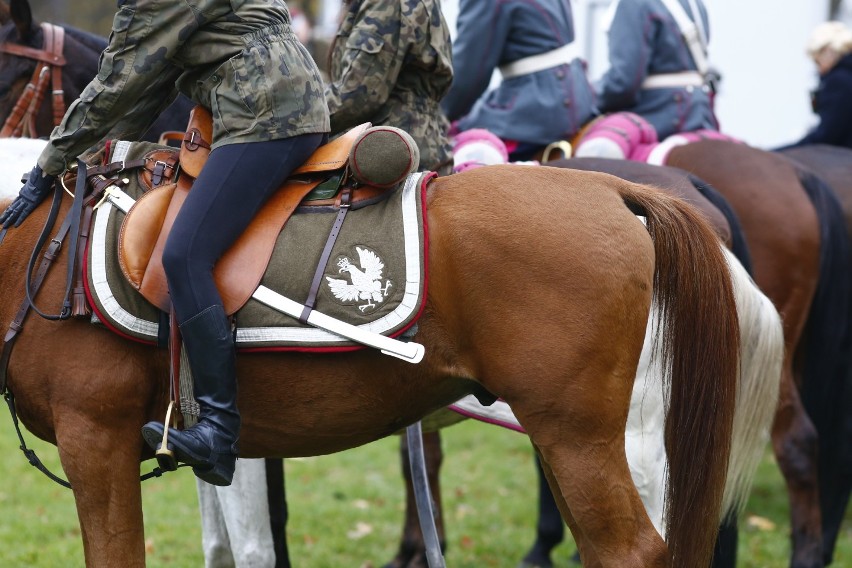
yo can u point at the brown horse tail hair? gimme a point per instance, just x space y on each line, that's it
700 356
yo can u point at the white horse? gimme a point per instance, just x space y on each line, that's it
762 352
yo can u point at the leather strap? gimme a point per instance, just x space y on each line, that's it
311 302
22 118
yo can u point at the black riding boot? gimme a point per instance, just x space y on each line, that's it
211 445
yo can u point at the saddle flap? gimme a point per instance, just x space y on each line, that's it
333 155
146 227
196 142
143 237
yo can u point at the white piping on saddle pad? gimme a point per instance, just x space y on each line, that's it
97 258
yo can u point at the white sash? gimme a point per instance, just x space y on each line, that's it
692 32
534 63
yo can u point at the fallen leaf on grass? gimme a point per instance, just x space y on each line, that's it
760 523
360 531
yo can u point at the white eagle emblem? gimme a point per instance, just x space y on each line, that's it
366 280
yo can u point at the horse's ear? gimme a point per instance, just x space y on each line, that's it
22 15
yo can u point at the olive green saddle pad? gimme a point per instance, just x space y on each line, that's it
375 276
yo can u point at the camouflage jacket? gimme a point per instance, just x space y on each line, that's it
239 58
391 64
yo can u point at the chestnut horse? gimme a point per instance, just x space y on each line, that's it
550 527
800 251
540 288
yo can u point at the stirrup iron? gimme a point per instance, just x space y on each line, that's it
165 456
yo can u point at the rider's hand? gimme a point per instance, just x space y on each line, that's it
34 191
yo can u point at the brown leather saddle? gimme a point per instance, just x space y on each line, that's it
239 272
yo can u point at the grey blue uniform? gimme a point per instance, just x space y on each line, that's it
644 40
391 65
536 108
239 58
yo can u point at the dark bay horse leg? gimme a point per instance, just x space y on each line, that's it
412 550
276 494
550 529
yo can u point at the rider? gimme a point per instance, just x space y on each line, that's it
544 95
390 64
830 47
243 62
658 69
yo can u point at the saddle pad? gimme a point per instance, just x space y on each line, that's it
375 277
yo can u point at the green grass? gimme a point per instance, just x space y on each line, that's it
346 509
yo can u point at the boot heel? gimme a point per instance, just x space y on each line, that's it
218 474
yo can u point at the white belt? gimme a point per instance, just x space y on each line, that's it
673 80
565 54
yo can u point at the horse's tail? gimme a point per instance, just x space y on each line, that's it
700 357
762 355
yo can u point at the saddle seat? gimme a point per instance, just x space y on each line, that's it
240 270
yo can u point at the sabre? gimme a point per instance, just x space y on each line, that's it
407 351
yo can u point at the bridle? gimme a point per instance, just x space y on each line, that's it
21 121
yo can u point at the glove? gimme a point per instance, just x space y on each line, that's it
34 191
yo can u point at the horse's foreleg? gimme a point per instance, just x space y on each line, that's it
412 551
794 440
102 465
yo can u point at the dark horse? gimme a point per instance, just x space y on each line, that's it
80 48
541 281
829 403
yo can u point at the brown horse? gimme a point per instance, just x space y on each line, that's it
540 286
786 241
831 406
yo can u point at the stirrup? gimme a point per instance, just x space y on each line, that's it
165 456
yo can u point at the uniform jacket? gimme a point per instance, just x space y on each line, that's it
239 58
645 40
538 108
833 104
391 65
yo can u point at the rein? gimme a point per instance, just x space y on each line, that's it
22 120
71 225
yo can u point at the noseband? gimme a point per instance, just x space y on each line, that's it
21 121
